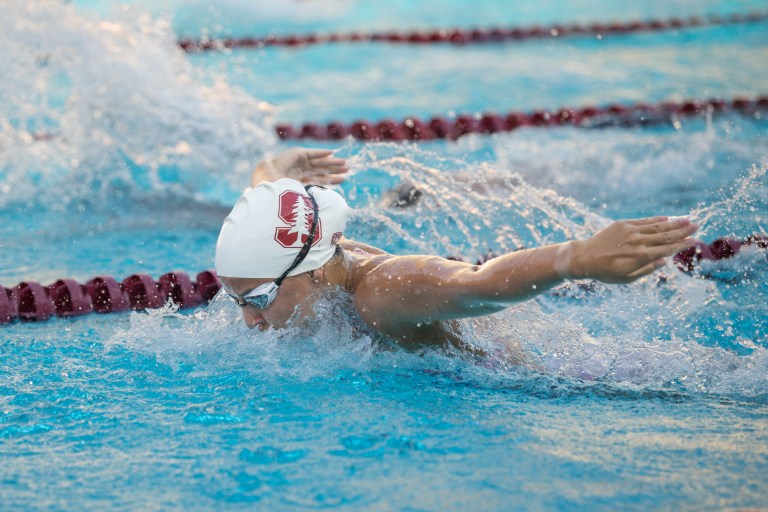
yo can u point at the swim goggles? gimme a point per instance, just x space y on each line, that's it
263 295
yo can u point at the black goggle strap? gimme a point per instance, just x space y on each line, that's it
310 238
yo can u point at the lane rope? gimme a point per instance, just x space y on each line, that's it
31 301
451 128
460 37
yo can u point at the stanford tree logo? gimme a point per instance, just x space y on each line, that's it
295 210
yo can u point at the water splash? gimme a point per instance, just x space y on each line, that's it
467 209
667 331
216 339
99 110
743 205
639 172
670 331
226 17
621 356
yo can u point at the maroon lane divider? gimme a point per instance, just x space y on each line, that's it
29 301
417 130
414 129
457 36
720 249
107 295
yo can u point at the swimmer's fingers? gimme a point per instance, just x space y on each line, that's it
322 177
335 165
322 172
626 250
307 165
316 153
663 251
648 220
662 226
323 161
671 233
324 169
655 258
304 159
646 269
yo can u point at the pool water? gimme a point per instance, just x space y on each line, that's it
121 154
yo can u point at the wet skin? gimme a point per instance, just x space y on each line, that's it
415 299
346 271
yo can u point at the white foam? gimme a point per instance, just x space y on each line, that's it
217 339
628 166
650 334
121 109
466 209
204 15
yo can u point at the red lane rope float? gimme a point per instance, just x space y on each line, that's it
30 301
414 129
475 35
720 249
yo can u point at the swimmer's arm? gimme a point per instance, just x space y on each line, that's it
407 293
310 166
413 290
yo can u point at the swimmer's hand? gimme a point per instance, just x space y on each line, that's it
627 250
316 166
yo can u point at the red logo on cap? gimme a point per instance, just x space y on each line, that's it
296 211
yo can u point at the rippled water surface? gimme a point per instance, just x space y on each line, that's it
121 154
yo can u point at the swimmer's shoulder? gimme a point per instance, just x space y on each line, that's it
370 268
360 248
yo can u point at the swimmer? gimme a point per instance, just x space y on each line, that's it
282 246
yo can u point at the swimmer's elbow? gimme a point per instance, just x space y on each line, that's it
468 299
477 306
483 290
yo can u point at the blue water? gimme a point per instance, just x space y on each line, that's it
648 396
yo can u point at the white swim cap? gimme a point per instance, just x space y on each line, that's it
270 223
